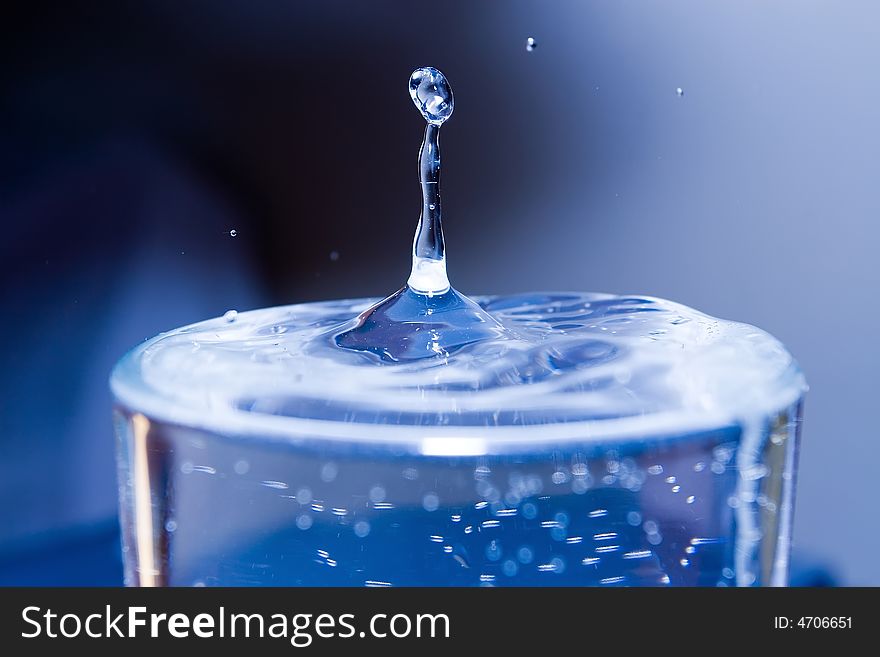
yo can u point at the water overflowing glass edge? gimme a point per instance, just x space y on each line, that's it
135 397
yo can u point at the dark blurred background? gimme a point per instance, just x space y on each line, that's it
134 136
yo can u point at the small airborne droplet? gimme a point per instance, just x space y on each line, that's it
233 233
679 91
230 315
531 44
334 256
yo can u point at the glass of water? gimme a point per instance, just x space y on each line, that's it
246 459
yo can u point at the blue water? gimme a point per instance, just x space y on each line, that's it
663 512
434 439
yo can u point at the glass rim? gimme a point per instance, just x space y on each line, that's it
133 394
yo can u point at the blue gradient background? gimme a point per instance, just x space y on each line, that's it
133 137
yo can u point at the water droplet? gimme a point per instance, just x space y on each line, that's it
679 91
334 256
493 550
531 44
431 94
230 315
171 526
304 521
233 233
509 568
634 518
361 528
241 467
690 499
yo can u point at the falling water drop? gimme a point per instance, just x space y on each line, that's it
531 44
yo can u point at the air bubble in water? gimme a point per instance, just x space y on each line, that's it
531 44
679 91
329 472
233 233
304 496
230 315
430 502
525 555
